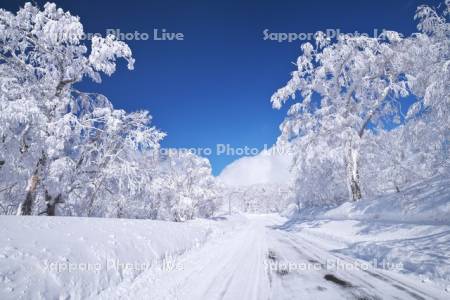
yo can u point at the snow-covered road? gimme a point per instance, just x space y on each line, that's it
260 260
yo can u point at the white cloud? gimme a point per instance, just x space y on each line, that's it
264 168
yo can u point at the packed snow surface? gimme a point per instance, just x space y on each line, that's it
230 257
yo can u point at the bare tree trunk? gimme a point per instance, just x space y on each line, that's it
353 179
25 208
51 203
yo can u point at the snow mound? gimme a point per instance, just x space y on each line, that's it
424 202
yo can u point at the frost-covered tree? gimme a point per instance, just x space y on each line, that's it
358 84
257 198
70 151
409 153
115 166
190 189
50 131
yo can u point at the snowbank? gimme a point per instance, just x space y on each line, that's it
410 228
427 202
419 250
62 257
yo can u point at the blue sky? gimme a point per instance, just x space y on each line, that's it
214 86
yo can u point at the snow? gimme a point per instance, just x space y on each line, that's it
424 202
58 257
229 257
411 228
419 250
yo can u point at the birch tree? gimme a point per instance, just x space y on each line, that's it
358 84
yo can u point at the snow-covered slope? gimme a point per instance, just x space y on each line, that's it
410 228
425 202
62 257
